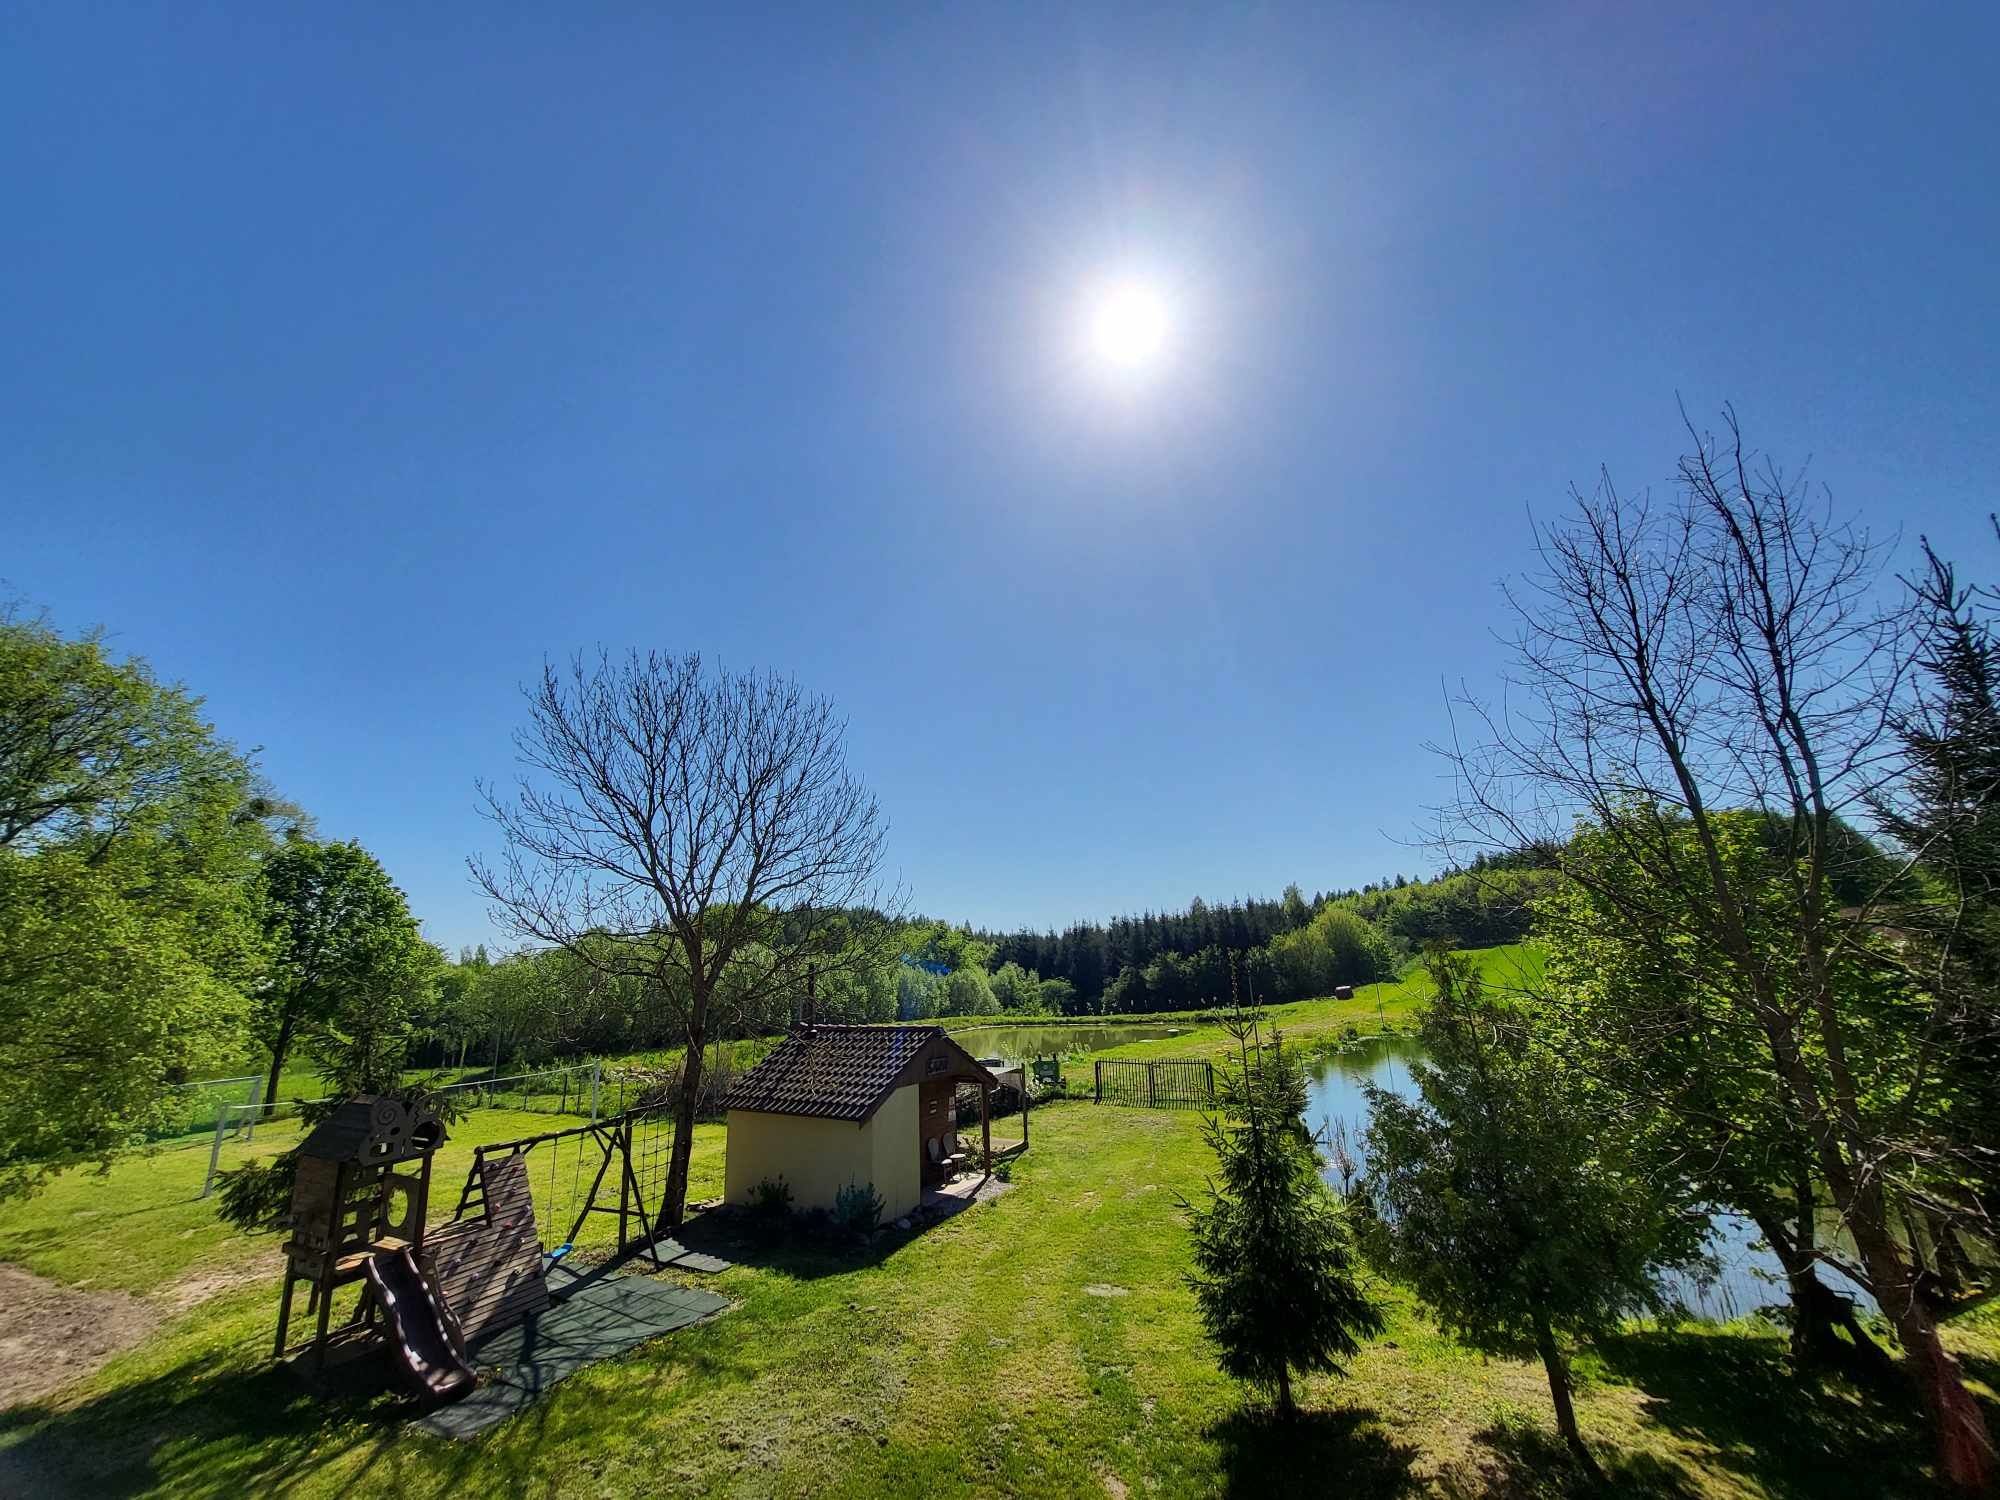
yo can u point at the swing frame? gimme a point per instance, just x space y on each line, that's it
614 1139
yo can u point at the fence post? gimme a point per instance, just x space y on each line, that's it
1149 1084
596 1083
215 1151
256 1100
1099 1068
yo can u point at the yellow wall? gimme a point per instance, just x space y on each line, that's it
817 1158
898 1166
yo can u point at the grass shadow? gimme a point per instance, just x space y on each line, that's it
1737 1397
1341 1451
1520 1459
208 1426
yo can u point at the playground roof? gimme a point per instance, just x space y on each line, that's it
845 1072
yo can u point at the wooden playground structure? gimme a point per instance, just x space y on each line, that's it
359 1209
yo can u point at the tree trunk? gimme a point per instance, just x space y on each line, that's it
1286 1407
1559 1393
278 1050
1813 1343
1953 1265
1965 1459
673 1205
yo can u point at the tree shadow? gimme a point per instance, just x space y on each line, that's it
1739 1398
206 1426
1519 1459
1342 1451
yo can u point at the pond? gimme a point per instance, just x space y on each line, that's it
1017 1043
1748 1275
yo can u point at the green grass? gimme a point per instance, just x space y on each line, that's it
1317 1023
142 1226
976 1358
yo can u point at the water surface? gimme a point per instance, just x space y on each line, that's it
1748 1275
1017 1043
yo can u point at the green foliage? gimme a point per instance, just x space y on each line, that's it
129 839
1475 909
857 1209
771 1201
350 972
1017 990
919 995
1948 815
967 993
1336 947
1274 1269
1493 1198
257 1196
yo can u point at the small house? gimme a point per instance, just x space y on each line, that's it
835 1106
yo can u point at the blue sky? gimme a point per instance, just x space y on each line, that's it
350 362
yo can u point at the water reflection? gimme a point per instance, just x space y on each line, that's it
1748 1275
1018 1043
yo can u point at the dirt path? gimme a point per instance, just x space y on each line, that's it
52 1334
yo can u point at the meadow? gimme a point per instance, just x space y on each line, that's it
1044 1343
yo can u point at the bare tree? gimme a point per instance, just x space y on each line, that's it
676 823
1680 665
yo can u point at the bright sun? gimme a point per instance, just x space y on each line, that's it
1128 326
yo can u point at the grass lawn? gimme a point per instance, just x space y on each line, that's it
1317 1023
1041 1344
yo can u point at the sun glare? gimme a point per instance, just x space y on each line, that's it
1129 325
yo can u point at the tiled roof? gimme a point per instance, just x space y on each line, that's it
834 1072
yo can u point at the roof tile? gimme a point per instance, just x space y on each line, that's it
831 1072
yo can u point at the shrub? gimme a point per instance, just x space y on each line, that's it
857 1208
771 1201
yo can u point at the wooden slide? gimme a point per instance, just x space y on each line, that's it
421 1331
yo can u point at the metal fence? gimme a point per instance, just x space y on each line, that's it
1167 1083
577 1089
189 1110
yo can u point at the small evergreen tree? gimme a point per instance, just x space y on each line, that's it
1275 1270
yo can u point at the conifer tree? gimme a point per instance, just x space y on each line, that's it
1276 1277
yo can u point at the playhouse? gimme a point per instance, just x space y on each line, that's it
835 1106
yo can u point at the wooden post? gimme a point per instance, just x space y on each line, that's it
1150 1084
624 1180
284 1311
986 1126
1024 1114
1100 1081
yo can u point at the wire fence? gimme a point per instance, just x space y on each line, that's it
188 1111
575 1089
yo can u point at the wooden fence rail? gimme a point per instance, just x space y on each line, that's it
1169 1083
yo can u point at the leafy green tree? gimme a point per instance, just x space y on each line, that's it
1639 1010
919 995
967 993
362 1047
1731 648
1492 1199
342 943
1016 988
129 840
1275 1275
1336 947
1058 997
